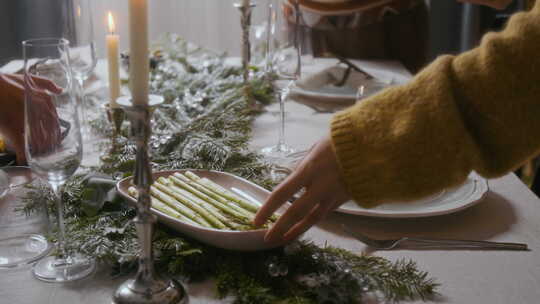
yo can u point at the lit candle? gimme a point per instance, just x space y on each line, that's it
139 69
113 60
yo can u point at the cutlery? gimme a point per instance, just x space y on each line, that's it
348 63
409 242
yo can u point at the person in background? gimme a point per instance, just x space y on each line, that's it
12 94
476 111
367 29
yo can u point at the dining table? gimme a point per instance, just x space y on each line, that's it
508 212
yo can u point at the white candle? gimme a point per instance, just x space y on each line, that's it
113 60
138 55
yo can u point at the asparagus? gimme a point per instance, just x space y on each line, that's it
222 191
158 205
194 199
225 206
208 192
193 206
214 195
171 202
225 217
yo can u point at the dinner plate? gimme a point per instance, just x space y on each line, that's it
251 240
447 201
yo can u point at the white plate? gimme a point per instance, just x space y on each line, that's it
448 201
251 240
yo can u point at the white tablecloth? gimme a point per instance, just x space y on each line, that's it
510 212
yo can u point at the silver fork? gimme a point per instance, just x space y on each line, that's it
409 242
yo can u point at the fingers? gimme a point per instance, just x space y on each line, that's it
10 86
317 214
44 133
38 83
298 220
319 174
42 87
46 84
301 177
294 214
283 192
17 78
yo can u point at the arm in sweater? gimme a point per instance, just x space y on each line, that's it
477 111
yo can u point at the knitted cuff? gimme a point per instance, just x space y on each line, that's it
346 148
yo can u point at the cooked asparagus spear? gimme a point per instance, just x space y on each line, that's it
158 205
194 199
204 190
171 202
224 206
214 195
205 213
222 191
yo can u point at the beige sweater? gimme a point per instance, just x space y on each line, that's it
477 111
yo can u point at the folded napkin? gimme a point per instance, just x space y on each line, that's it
327 86
325 81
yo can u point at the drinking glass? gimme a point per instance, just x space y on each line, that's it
53 141
285 62
79 29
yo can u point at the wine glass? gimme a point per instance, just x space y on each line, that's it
53 141
79 30
285 62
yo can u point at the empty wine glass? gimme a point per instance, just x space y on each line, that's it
285 61
79 29
53 141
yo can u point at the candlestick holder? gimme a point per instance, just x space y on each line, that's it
116 117
147 287
245 23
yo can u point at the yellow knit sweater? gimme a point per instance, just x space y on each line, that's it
477 111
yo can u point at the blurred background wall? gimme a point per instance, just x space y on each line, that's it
454 27
25 19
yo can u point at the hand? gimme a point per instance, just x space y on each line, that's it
12 94
318 174
497 4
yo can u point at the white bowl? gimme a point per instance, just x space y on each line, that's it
251 240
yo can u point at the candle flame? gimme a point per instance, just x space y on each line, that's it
112 27
79 11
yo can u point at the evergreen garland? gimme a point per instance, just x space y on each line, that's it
206 124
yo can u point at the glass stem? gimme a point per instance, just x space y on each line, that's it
57 190
283 95
80 82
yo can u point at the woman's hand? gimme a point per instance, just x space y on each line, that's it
318 174
12 94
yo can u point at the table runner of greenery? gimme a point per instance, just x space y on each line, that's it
205 123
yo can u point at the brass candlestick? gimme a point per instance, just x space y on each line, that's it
116 117
245 23
147 287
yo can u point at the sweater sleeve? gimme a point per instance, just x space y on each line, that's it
477 111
